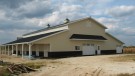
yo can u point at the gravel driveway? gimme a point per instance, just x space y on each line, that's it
101 65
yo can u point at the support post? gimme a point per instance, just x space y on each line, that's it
16 50
12 49
29 51
8 49
22 51
1 49
5 50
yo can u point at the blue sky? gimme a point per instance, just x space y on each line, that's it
18 17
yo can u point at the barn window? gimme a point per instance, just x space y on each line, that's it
77 47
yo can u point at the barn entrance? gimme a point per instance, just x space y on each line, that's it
88 49
119 49
41 54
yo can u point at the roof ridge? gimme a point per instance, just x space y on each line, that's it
44 29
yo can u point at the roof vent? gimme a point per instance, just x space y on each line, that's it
19 38
66 20
48 25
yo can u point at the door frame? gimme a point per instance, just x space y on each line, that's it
89 49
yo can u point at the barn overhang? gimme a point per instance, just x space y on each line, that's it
87 37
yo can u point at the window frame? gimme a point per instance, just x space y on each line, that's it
77 47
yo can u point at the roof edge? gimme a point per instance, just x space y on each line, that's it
99 23
88 18
114 38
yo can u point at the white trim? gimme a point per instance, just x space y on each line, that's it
49 36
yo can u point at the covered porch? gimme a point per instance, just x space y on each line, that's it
26 50
25 46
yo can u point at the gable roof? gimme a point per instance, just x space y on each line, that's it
32 38
64 24
82 36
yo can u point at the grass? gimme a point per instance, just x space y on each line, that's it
4 72
35 65
124 58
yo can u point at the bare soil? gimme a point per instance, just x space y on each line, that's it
101 65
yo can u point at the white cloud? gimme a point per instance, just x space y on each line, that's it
129 30
120 11
110 23
35 8
63 11
52 19
107 20
69 8
1 31
2 15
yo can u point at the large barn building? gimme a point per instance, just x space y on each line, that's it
80 37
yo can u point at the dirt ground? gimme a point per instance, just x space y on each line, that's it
101 65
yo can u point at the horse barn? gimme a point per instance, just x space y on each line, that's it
79 37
